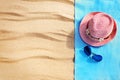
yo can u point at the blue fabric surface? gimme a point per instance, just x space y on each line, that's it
109 67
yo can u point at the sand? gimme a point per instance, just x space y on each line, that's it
36 39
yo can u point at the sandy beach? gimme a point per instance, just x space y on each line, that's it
36 39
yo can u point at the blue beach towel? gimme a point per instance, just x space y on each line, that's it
109 67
